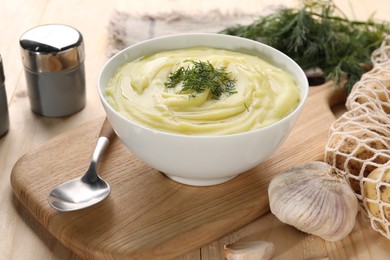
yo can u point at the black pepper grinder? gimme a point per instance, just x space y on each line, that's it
4 116
53 58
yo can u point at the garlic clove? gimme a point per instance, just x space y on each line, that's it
313 199
249 250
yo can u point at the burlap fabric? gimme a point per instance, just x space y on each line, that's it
126 29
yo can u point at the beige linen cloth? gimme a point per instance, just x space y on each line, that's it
128 26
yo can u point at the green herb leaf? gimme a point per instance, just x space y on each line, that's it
202 75
316 37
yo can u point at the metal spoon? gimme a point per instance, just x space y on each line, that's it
88 189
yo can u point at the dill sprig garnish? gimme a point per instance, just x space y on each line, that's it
316 37
200 76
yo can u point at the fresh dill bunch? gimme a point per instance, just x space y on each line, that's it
200 76
315 36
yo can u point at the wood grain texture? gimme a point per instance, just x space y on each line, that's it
23 237
107 130
148 215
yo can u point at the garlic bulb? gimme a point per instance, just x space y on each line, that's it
314 200
249 250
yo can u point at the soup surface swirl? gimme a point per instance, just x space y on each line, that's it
263 94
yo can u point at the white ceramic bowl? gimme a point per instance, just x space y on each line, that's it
201 160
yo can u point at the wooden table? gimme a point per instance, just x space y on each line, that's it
22 237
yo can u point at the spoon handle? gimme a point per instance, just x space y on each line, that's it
107 130
105 136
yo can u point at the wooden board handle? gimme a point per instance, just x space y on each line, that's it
107 130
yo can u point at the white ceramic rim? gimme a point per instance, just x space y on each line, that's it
304 90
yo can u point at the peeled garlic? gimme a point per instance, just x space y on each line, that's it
314 200
249 250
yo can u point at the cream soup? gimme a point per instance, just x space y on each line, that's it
263 94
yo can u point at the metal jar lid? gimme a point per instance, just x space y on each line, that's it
2 76
52 48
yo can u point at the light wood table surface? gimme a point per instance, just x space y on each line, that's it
22 237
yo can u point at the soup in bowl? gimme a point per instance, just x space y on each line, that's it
202 108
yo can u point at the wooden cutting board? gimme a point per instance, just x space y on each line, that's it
147 215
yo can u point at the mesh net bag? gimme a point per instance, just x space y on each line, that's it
358 146
382 54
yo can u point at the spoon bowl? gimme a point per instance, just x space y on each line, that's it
88 189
